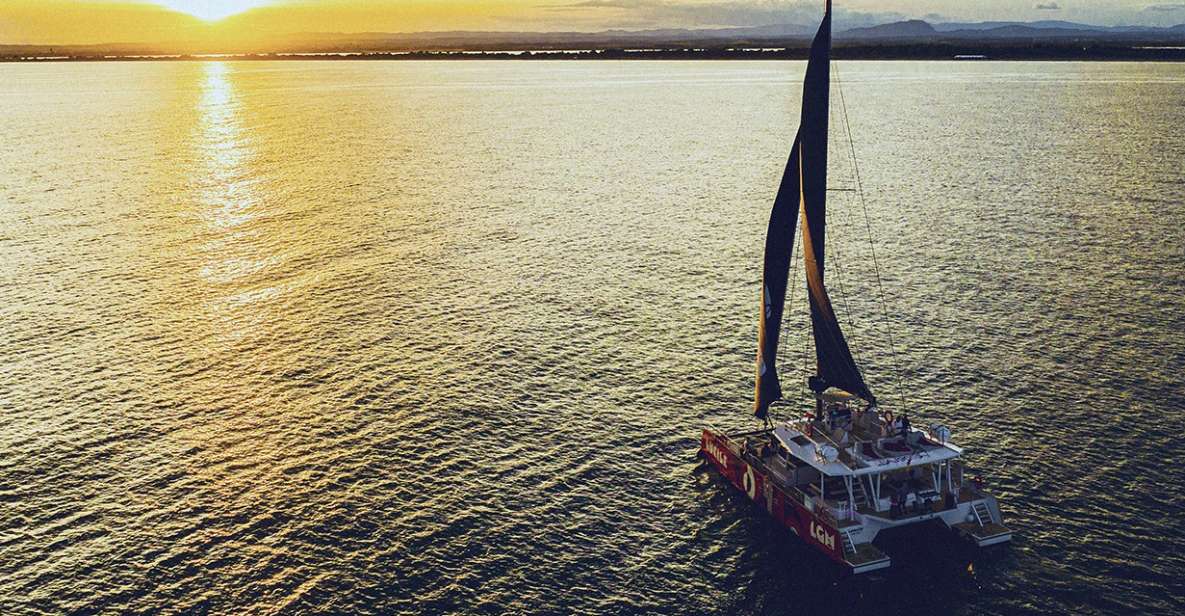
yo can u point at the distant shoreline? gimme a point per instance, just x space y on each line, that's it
909 39
873 52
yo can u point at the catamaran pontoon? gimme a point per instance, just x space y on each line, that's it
845 471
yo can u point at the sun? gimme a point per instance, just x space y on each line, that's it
212 10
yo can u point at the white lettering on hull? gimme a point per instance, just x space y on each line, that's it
750 483
713 450
821 535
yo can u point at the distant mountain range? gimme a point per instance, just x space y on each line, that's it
912 32
1049 24
916 31
921 31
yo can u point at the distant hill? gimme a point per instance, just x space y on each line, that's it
990 31
478 41
989 25
914 28
1048 24
771 35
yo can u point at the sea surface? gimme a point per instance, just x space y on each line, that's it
421 338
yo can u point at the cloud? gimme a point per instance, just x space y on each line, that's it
1164 15
1048 6
601 4
720 13
1165 8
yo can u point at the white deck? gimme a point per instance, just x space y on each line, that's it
807 447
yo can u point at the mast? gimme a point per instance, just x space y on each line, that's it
834 365
803 189
802 175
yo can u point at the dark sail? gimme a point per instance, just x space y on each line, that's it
779 243
779 239
804 188
836 367
816 105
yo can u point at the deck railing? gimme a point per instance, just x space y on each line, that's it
815 504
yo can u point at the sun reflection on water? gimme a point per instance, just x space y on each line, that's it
230 204
225 185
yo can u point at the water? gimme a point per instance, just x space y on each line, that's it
440 337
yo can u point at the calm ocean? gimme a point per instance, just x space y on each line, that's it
401 337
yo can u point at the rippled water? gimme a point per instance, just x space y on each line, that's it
440 337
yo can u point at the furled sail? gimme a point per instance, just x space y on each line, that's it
804 188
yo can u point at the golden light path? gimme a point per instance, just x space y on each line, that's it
212 10
228 203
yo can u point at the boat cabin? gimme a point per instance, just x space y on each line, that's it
858 461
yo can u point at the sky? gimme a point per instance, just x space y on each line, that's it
150 21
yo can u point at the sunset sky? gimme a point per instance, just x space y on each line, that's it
105 21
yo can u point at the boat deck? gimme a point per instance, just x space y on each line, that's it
782 471
938 506
778 469
865 553
985 535
869 441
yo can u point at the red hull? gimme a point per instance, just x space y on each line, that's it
788 508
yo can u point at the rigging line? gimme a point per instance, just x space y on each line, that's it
847 309
839 260
794 283
797 252
806 345
871 245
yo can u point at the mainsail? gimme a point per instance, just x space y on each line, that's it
834 362
804 188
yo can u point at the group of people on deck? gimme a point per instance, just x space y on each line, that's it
898 427
839 420
900 490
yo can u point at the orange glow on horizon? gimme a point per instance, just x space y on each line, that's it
212 10
189 24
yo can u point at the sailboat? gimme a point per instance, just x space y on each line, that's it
840 474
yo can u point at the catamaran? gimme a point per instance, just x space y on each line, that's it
843 472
